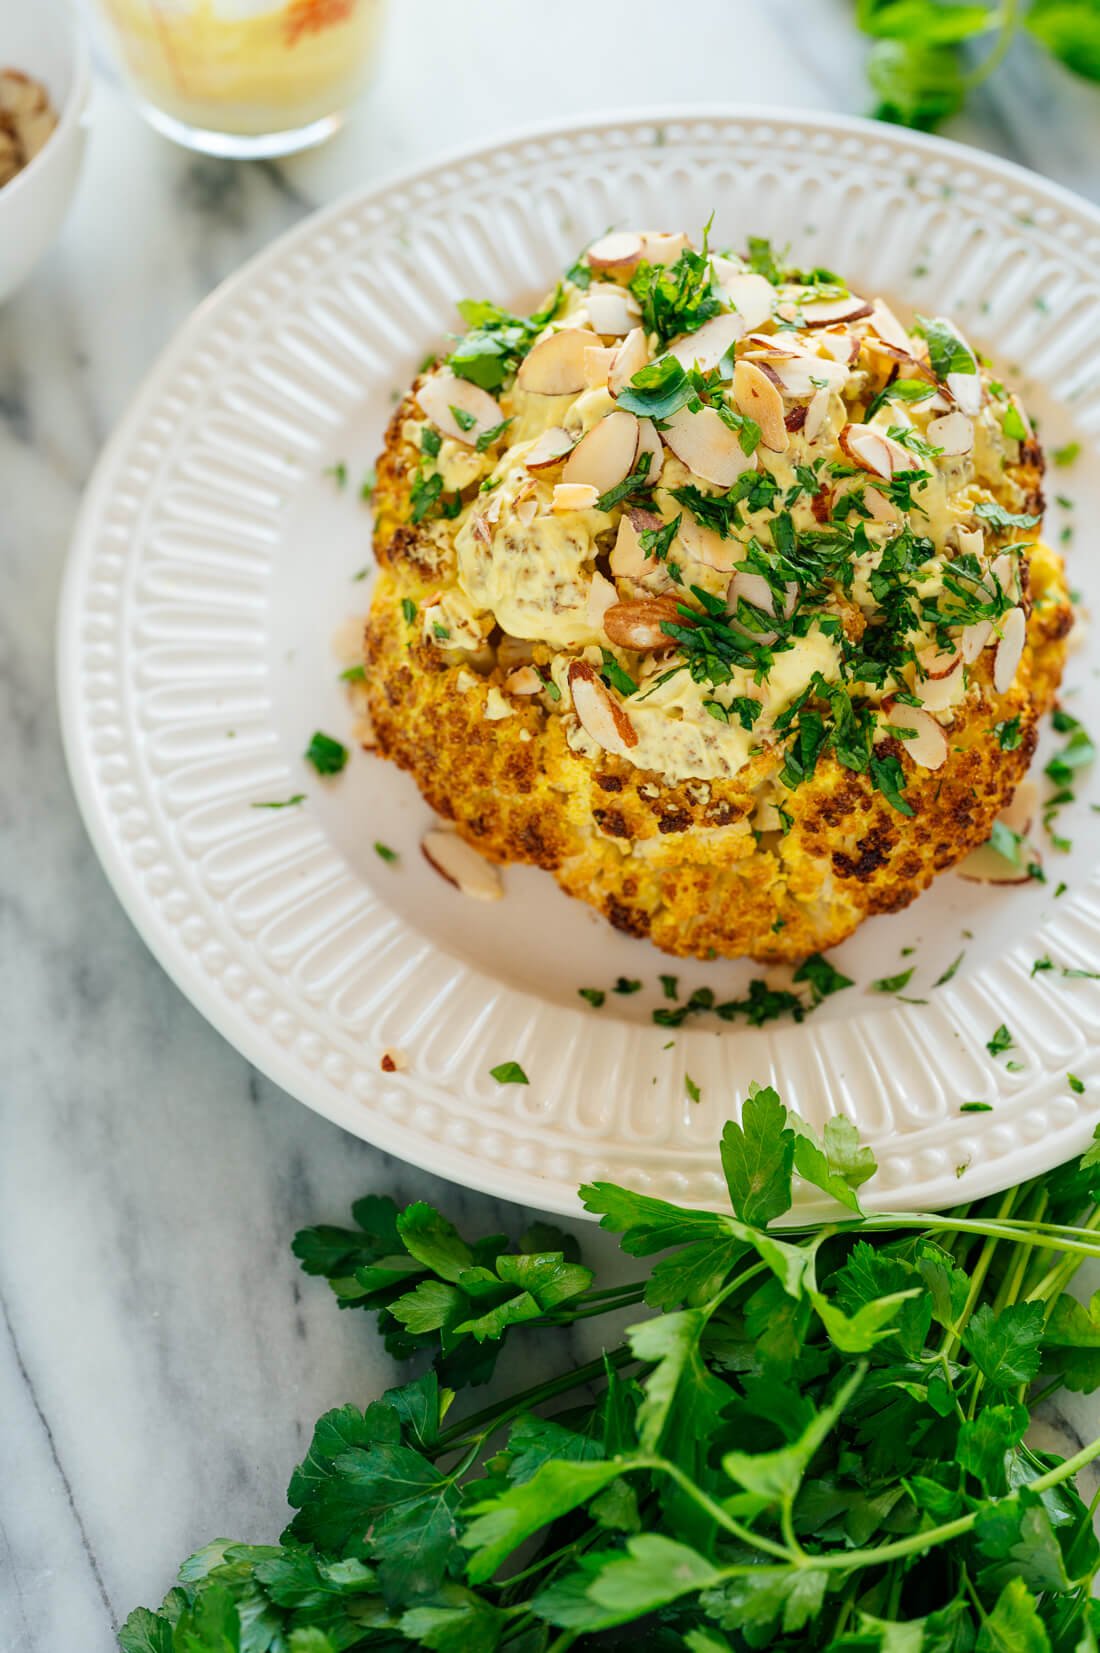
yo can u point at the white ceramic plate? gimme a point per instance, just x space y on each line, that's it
214 561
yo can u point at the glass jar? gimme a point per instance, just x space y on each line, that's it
244 78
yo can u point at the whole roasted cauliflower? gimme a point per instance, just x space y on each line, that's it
715 590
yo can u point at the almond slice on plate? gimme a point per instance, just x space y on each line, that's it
707 446
621 251
573 496
442 392
550 449
627 559
637 624
928 744
888 327
454 860
953 432
1020 813
758 398
612 310
605 456
873 451
599 714
631 356
824 312
706 347
986 865
752 296
1009 650
555 367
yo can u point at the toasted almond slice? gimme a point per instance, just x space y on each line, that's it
523 681
1006 571
555 367
824 312
611 310
873 451
550 449
637 624
573 496
706 347
598 362
816 414
928 745
755 589
627 559
935 662
953 432
706 546
1020 813
661 248
751 295
805 375
884 322
939 694
707 446
986 865
1009 650
838 344
757 398
621 250
605 455
600 715
881 508
444 391
461 865
973 638
601 596
970 541
650 442
631 356
966 388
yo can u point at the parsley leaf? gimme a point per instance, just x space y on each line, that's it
328 756
509 1073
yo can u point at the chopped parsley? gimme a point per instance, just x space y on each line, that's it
465 421
614 675
509 1073
822 976
368 485
677 298
594 995
1013 425
692 1089
1001 1041
625 985
353 674
430 441
1008 734
328 756
497 341
894 984
283 803
632 484
338 473
486 438
951 971
1076 1085
946 350
1067 454
408 609
998 517
976 1107
670 986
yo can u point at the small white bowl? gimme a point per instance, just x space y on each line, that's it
43 39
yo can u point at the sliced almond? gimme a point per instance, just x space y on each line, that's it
758 398
637 624
611 310
966 388
555 367
881 508
621 251
524 680
888 327
935 662
928 744
708 547
628 560
1009 650
600 715
707 446
939 694
752 296
706 347
1020 813
649 442
454 859
986 865
1006 571
824 312
573 496
953 432
973 638
661 248
601 596
605 456
550 449
816 414
598 362
838 344
805 375
754 589
631 356
442 392
872 451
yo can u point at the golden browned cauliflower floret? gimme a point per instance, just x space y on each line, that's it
713 590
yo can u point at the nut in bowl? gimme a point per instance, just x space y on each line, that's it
44 89
711 588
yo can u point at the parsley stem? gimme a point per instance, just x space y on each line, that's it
983 70
493 1416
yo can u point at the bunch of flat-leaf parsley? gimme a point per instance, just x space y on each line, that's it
928 55
811 1438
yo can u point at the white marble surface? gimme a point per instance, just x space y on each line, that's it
161 1358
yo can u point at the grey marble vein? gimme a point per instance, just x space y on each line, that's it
161 1357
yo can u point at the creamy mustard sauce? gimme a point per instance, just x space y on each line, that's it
535 566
